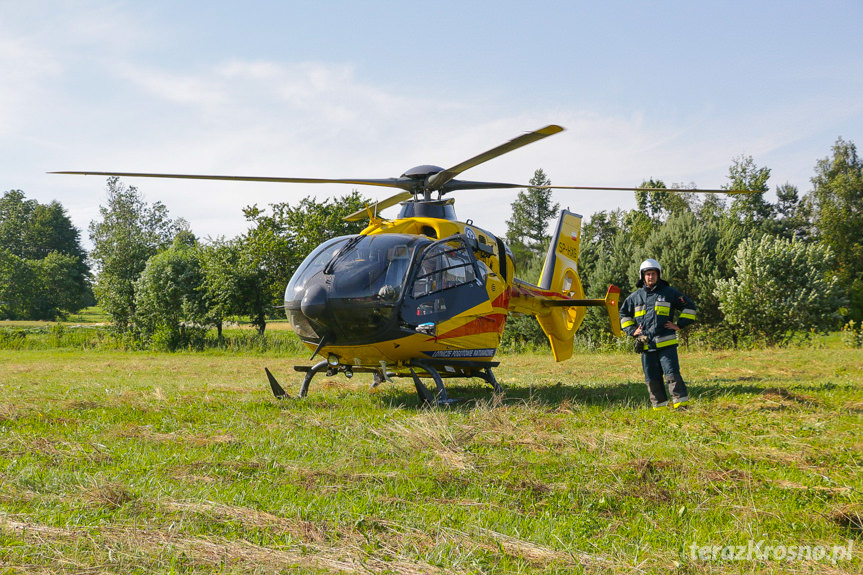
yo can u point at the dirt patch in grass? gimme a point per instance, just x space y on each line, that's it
783 394
652 469
108 494
727 476
850 517
7 413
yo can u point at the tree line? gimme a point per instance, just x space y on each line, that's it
756 268
760 271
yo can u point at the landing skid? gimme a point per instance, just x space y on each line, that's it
432 368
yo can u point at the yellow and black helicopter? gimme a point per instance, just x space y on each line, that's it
425 295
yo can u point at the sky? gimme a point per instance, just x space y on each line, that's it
670 90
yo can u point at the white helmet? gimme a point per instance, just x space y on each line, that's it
649 264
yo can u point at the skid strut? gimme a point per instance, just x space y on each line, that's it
488 376
425 395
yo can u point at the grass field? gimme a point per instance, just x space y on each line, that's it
127 463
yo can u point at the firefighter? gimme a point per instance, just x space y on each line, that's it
648 315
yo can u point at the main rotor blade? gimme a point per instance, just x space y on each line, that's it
455 185
403 184
378 206
673 190
450 185
437 181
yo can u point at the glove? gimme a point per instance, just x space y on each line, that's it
640 341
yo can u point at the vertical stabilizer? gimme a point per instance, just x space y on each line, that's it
560 275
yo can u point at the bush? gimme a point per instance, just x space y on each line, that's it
782 289
852 334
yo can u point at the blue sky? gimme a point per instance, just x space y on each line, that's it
668 90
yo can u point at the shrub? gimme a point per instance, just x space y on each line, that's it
782 289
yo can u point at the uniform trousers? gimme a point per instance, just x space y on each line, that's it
659 362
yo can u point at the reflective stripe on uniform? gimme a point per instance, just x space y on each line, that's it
662 308
666 340
639 310
626 322
688 313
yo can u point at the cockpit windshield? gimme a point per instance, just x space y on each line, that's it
364 268
375 267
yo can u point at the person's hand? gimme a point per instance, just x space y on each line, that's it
672 325
637 331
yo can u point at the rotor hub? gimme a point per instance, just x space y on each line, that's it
422 172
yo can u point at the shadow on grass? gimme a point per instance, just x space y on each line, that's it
468 395
746 386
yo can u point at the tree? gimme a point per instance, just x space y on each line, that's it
531 212
710 208
782 289
129 233
170 303
837 204
792 214
222 291
597 236
604 266
659 205
237 283
752 210
310 223
16 284
49 277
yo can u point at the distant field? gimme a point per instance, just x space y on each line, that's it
184 463
95 316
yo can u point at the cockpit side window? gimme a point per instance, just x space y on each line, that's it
443 266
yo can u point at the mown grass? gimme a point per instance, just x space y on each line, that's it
134 462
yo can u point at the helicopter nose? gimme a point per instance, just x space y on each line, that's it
314 303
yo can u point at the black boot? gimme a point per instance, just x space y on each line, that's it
658 396
679 393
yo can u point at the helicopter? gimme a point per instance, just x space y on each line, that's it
425 295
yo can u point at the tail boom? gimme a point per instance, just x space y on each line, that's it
558 302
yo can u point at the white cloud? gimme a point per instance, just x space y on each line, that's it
95 85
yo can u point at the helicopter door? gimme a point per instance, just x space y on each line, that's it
447 283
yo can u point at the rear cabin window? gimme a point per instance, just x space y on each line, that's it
444 266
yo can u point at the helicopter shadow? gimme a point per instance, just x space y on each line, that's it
631 394
470 395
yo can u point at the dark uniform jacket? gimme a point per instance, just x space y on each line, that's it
652 308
